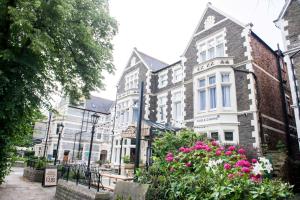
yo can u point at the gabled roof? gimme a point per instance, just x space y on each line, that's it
281 14
153 63
98 104
209 5
175 63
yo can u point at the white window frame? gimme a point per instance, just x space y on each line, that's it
162 105
177 97
174 75
131 80
163 79
203 46
229 83
219 96
209 86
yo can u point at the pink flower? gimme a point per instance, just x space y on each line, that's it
256 178
188 164
181 149
208 149
221 148
214 143
169 158
230 176
227 166
172 169
246 170
218 153
241 151
242 163
231 148
228 153
254 160
198 147
170 154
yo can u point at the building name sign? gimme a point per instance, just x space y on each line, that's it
50 177
207 119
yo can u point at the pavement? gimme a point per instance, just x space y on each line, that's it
16 187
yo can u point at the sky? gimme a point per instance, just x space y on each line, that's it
162 28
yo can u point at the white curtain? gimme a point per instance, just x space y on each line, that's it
213 100
226 96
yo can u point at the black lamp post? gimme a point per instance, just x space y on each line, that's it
94 118
59 130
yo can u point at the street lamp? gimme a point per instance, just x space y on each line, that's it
59 130
94 118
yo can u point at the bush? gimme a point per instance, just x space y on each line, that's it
126 159
195 168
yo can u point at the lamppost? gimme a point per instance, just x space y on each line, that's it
59 130
94 119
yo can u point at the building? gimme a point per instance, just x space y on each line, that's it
226 85
76 134
288 22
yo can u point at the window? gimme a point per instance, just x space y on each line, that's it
225 90
177 74
214 135
177 105
212 92
228 136
162 101
202 95
162 80
131 80
133 61
211 48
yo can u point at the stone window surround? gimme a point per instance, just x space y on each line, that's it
135 76
164 73
158 115
174 69
221 32
219 108
173 92
129 108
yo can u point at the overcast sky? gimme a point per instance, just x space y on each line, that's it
162 28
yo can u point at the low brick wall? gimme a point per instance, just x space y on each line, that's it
70 191
33 175
19 164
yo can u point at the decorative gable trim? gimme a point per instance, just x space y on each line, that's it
209 5
282 13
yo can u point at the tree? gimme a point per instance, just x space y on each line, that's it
46 45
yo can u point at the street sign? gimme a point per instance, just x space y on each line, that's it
50 177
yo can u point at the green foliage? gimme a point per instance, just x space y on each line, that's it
206 170
126 159
46 45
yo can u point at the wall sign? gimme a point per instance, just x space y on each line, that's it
50 177
206 119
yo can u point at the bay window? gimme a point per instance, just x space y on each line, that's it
214 91
131 80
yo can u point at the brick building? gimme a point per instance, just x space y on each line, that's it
228 84
288 22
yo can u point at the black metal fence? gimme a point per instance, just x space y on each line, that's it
80 174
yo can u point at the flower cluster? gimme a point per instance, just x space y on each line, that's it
231 160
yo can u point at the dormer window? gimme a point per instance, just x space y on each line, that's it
211 47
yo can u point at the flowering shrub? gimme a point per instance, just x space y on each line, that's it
207 170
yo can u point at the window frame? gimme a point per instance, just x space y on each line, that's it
163 82
212 42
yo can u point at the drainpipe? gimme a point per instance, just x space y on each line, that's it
257 98
294 79
283 100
